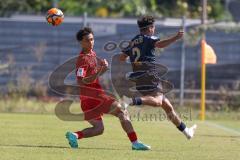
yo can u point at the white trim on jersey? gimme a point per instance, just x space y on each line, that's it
80 72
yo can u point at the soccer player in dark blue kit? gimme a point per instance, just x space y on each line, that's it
141 53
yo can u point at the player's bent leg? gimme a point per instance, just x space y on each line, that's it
168 108
123 117
126 124
115 108
155 99
152 101
171 114
97 129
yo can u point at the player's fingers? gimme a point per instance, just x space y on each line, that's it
105 62
102 62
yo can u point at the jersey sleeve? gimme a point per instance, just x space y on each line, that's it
153 40
81 68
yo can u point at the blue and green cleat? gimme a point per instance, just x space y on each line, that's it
72 140
140 146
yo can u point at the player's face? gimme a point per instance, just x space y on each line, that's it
88 42
152 29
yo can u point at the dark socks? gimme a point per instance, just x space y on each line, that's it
181 127
137 101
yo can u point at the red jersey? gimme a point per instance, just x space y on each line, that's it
86 66
91 95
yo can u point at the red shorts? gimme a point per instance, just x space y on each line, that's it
94 108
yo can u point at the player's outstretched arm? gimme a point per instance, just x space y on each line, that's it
166 42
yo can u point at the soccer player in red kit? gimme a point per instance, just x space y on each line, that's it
94 101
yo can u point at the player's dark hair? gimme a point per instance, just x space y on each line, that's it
83 32
145 21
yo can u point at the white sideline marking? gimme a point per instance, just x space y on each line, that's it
230 130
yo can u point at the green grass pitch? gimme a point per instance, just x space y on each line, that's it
29 136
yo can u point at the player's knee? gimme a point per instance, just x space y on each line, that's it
118 106
115 109
156 102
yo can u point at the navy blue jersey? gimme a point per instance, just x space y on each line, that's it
141 48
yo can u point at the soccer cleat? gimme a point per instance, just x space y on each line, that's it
140 146
72 140
189 132
125 102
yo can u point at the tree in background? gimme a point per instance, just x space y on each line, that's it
133 8
115 8
9 7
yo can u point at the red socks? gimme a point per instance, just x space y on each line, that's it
132 136
79 134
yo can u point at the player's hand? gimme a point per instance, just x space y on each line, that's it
103 66
104 63
179 34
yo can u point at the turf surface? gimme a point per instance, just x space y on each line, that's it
30 136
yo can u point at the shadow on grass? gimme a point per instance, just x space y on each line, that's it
59 147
